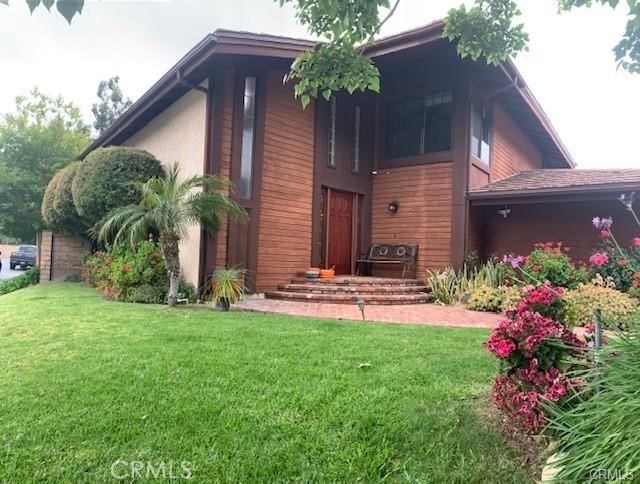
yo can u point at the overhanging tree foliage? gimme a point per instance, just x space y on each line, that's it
489 29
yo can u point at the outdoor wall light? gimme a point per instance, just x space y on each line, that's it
393 206
504 211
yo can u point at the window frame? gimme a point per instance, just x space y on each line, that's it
422 158
252 156
357 133
488 110
332 133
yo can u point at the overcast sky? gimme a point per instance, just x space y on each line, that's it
570 66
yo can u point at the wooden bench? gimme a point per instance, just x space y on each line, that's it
389 254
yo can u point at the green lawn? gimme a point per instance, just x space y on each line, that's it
241 396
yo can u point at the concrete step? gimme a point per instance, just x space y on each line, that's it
351 289
387 299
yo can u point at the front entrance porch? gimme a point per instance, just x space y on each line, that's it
351 289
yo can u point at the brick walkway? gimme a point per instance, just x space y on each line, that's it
429 314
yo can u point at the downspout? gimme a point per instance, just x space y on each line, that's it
207 91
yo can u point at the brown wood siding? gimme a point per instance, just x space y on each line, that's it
511 150
569 222
287 186
424 193
225 161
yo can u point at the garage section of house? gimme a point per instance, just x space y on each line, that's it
510 215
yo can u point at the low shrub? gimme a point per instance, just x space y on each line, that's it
449 286
550 262
29 278
494 299
534 350
600 294
134 275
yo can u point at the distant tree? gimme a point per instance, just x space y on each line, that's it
43 135
112 104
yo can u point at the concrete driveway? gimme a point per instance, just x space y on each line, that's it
7 273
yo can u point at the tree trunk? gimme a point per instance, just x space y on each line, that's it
171 253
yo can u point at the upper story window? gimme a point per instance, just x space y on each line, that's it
331 153
355 165
481 132
420 126
245 188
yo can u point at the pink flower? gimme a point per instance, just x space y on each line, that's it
605 233
636 241
599 259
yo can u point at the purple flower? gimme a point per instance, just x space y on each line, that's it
627 200
602 223
515 261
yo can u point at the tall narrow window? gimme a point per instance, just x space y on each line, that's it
331 155
355 166
248 135
481 133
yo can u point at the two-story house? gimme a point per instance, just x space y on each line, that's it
460 151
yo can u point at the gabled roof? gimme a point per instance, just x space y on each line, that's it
559 181
520 102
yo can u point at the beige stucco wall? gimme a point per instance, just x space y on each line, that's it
177 134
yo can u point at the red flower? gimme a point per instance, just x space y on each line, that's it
605 233
636 241
599 259
622 262
537 268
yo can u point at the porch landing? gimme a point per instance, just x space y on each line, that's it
426 314
351 289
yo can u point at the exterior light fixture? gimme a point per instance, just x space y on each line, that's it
393 206
504 211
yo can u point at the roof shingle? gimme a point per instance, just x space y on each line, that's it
559 181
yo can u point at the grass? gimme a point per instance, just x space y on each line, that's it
241 396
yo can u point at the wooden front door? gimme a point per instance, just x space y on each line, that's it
340 231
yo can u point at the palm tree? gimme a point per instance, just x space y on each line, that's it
168 207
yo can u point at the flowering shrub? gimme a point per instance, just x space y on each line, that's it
601 294
494 299
135 275
550 261
622 265
533 348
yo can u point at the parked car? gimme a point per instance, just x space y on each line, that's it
26 256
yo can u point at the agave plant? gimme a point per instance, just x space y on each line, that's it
168 207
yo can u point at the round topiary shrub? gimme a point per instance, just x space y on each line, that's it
62 215
46 209
110 178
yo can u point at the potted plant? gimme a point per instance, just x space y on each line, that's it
227 287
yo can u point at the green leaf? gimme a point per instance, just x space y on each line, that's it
326 94
68 8
48 4
305 99
33 4
4 2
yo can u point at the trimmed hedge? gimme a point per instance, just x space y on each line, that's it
29 278
110 178
58 210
